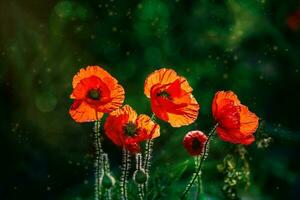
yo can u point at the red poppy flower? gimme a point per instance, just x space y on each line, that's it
95 92
293 21
171 97
126 129
194 142
236 123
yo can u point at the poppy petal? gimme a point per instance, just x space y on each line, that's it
117 96
221 99
115 122
162 76
145 122
234 136
126 111
82 112
82 88
184 115
236 124
126 129
94 71
248 121
114 129
171 97
111 94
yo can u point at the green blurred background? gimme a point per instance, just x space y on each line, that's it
243 45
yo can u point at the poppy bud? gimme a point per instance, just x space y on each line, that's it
140 176
108 181
194 142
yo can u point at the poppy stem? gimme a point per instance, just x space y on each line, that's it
98 163
198 171
147 162
199 181
149 146
141 191
152 117
125 169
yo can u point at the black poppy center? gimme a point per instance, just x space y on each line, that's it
130 129
196 144
94 94
164 94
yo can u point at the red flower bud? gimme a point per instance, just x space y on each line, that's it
194 142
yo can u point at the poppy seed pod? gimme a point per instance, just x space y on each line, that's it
140 176
108 181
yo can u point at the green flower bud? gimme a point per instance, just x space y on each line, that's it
140 176
108 181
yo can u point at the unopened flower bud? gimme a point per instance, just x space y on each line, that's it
108 181
140 176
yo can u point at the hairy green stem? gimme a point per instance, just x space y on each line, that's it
199 181
125 169
106 173
141 191
147 163
98 163
147 160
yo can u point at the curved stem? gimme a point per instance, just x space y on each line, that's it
200 164
139 166
148 150
148 153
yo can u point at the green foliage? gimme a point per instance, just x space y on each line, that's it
164 182
236 171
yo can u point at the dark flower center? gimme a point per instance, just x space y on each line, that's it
130 129
196 144
164 94
94 94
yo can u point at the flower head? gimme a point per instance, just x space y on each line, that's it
194 142
236 123
293 20
95 92
126 129
171 97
